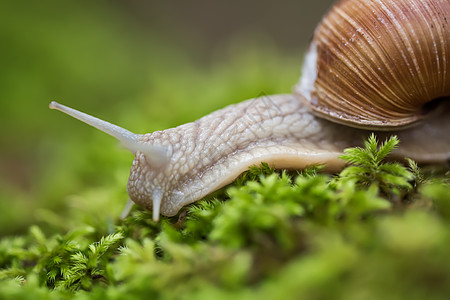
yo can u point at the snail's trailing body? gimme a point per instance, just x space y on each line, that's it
390 73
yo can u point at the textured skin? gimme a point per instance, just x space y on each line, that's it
211 152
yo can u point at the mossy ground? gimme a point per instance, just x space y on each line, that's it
377 230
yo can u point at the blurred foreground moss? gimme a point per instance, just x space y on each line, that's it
270 236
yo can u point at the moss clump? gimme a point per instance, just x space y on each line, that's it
376 230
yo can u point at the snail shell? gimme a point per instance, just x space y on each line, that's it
378 63
372 63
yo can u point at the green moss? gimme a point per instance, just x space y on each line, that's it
271 235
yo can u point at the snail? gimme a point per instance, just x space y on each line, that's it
372 65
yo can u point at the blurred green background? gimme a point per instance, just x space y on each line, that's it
144 65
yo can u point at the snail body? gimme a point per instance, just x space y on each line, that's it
178 166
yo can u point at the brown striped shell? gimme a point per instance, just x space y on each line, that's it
378 63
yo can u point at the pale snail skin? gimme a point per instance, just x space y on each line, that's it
178 166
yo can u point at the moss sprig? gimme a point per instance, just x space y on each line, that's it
367 167
272 233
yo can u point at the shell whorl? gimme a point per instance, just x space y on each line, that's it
378 63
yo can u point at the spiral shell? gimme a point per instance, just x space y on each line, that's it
378 63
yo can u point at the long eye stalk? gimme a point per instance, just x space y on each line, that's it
155 154
128 138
